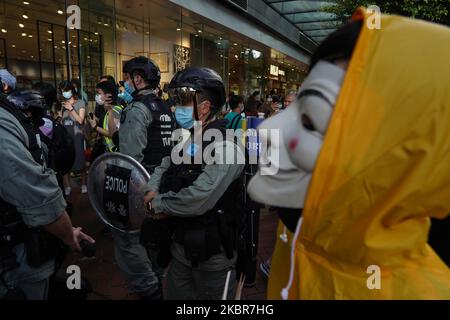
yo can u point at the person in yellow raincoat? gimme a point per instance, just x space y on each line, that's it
381 169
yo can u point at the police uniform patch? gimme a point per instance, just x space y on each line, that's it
115 195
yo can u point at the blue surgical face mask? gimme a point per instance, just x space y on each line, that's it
129 89
67 95
126 96
184 118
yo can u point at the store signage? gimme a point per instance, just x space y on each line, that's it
281 72
273 70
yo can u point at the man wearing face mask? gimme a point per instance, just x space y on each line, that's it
185 108
99 110
289 98
73 117
146 123
199 197
145 134
107 97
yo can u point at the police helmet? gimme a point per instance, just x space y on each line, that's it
126 67
146 68
28 100
201 80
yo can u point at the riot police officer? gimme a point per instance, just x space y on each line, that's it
145 134
199 197
32 207
146 124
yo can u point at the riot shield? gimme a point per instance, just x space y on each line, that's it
115 188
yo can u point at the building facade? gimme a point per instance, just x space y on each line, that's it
246 42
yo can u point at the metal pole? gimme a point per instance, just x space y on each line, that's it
54 56
39 50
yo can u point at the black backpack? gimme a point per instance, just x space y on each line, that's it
61 151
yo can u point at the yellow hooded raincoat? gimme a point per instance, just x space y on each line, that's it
383 171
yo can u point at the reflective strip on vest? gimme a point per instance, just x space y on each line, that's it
108 141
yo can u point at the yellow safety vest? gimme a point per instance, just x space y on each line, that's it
110 147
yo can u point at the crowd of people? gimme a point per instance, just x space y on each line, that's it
132 117
340 191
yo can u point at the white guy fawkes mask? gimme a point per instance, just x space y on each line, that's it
302 128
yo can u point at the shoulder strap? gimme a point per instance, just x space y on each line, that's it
234 125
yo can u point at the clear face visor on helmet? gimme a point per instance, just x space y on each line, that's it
180 95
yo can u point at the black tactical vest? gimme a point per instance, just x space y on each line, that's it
214 231
159 133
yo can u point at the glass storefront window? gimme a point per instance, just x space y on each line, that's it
3 53
247 67
152 29
211 47
36 46
41 48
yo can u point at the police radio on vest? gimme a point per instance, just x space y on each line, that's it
116 184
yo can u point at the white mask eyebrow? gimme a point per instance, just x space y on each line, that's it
318 110
319 92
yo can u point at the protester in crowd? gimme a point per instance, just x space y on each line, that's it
226 107
107 97
251 108
82 94
270 107
99 111
255 96
73 116
234 117
289 98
